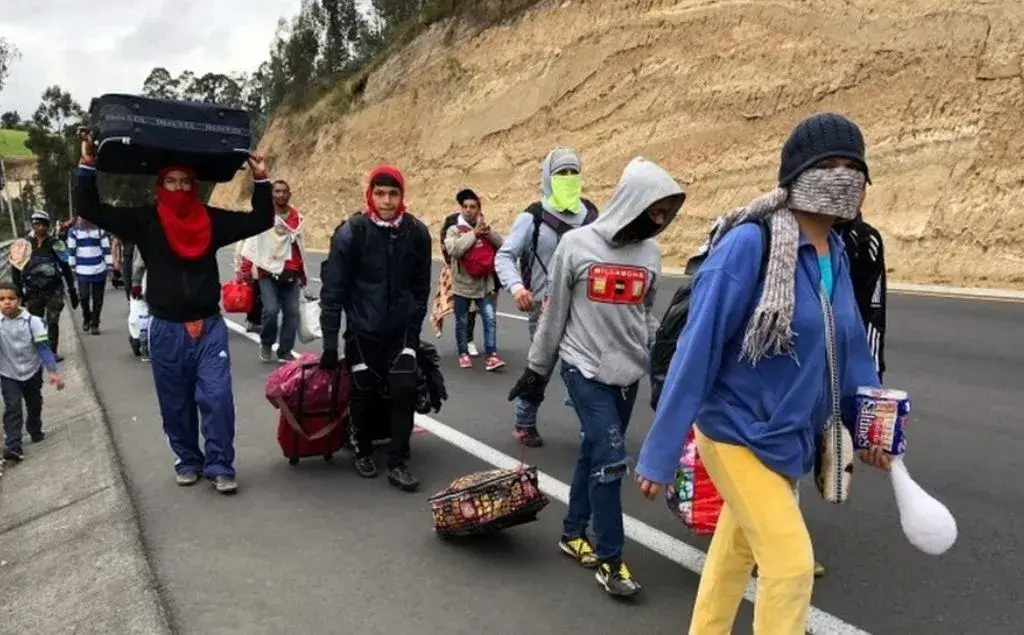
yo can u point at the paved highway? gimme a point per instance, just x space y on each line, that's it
315 549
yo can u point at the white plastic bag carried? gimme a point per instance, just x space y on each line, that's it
138 317
309 320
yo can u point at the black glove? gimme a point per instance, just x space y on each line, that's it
529 387
74 298
436 389
329 359
404 363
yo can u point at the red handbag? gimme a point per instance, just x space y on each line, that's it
693 497
237 296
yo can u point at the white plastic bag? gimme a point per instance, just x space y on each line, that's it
309 320
138 317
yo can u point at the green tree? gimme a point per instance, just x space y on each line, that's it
8 55
52 138
302 50
160 83
10 120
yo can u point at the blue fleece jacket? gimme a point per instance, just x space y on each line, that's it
777 408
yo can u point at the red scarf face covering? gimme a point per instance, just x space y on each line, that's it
184 218
371 207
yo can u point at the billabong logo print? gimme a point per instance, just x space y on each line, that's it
616 284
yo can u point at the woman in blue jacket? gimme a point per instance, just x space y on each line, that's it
751 370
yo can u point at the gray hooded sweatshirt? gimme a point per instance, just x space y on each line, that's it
601 293
520 237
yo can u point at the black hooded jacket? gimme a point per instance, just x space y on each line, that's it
379 277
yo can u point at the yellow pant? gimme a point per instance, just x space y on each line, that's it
760 522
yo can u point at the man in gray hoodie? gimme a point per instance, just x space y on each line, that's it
523 260
604 276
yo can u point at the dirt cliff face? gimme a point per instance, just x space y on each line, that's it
709 89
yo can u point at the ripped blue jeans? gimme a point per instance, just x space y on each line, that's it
604 412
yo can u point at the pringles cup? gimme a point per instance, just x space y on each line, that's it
881 419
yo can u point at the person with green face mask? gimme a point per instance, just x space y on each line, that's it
523 259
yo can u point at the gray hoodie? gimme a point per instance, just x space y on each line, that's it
601 293
520 237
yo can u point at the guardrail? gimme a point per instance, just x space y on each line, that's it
5 260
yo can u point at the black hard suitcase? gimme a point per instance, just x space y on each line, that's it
142 135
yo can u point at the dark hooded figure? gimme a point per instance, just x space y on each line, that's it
188 340
378 273
605 276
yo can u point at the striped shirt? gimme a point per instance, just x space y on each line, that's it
89 253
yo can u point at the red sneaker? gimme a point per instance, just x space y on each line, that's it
465 361
493 362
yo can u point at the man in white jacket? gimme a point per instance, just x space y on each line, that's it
279 258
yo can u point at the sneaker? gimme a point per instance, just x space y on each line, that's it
366 467
14 456
529 437
266 354
493 362
38 437
95 330
285 358
185 479
473 352
617 580
578 549
465 361
400 477
225 484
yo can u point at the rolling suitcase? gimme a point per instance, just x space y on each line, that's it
142 135
308 431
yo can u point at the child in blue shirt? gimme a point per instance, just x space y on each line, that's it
751 372
24 352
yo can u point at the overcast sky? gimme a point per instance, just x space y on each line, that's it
93 47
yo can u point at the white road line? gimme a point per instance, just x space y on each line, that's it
818 622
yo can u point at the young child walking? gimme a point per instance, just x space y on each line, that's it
24 354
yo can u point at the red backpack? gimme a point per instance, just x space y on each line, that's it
478 262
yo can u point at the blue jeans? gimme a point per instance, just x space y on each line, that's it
485 309
284 299
596 490
526 411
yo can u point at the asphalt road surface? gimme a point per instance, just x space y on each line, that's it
315 549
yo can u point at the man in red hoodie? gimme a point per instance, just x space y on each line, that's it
281 274
378 273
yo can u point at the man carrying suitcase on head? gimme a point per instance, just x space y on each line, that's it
378 274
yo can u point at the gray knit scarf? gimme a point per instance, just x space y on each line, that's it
832 192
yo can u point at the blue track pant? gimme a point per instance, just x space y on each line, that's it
193 381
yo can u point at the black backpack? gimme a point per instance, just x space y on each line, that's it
543 217
42 272
674 320
448 222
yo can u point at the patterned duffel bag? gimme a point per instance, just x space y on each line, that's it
486 502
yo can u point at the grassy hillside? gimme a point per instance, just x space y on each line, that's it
12 144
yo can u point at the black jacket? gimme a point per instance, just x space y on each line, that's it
379 277
865 250
46 249
179 290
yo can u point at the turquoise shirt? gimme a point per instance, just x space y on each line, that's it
827 281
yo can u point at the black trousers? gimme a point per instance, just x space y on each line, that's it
255 316
16 418
90 294
383 397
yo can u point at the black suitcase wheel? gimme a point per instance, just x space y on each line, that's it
329 457
293 461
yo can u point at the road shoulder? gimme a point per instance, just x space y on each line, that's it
71 557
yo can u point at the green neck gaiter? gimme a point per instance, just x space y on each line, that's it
566 192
